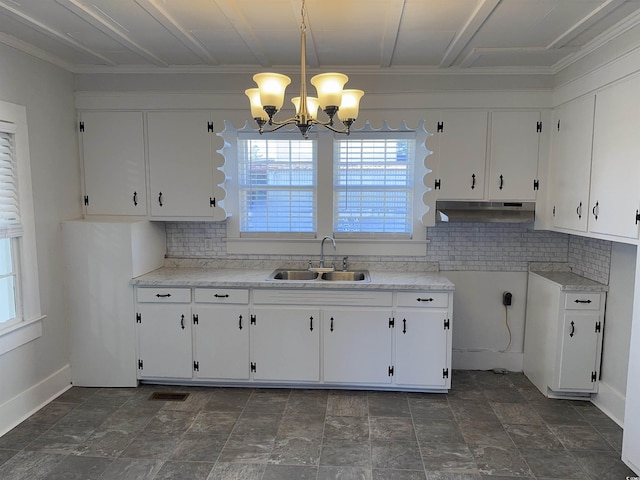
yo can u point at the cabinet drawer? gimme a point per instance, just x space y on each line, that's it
221 295
422 299
164 295
582 301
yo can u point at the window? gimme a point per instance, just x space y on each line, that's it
277 185
20 315
367 189
373 186
10 229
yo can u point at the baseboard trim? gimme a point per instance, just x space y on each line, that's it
487 360
610 401
22 406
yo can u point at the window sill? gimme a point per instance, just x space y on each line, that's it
345 246
20 334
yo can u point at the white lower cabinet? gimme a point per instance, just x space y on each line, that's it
563 337
357 346
285 344
164 333
373 338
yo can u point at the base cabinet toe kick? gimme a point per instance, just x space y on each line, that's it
373 339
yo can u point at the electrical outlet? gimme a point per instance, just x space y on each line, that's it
208 244
507 298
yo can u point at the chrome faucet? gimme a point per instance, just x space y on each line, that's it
326 237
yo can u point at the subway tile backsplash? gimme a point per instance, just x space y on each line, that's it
455 246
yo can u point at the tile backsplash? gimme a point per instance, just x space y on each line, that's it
456 246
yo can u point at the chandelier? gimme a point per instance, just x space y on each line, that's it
268 98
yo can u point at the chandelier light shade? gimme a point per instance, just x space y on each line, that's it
268 98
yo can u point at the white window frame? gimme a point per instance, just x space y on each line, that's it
28 324
295 245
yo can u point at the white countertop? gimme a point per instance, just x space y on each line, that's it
573 282
257 278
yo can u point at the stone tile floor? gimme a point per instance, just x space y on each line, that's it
489 427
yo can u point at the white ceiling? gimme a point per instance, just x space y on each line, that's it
205 35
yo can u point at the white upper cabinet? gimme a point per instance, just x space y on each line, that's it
113 159
615 170
482 155
183 175
459 143
570 165
513 160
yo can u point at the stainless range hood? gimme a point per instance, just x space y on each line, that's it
494 212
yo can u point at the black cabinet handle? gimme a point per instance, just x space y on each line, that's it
573 329
221 296
182 322
160 198
501 182
596 210
164 295
404 325
331 326
311 324
473 181
240 322
582 301
424 299
579 210
135 199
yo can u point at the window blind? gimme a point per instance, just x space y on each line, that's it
277 185
10 225
373 185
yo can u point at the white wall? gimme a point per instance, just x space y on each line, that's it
30 374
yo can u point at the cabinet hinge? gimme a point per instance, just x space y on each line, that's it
196 366
437 184
390 371
440 127
445 373
81 126
539 127
138 318
536 184
209 126
195 319
140 365
598 327
594 376
86 200
392 322
212 201
447 324
253 366
253 319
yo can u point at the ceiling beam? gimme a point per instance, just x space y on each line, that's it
391 30
234 14
482 12
107 26
596 14
31 22
185 37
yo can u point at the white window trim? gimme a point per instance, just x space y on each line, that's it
30 327
414 246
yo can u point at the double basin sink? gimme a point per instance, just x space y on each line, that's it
282 274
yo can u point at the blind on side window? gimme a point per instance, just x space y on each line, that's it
10 225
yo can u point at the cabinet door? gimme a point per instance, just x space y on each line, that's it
113 159
357 346
570 165
221 342
578 351
462 145
421 346
164 341
615 171
285 344
181 165
513 164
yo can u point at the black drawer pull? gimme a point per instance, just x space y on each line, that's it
425 299
164 295
582 301
221 296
